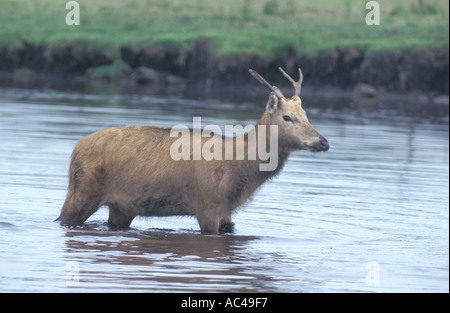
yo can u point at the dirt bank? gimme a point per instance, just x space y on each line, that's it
423 70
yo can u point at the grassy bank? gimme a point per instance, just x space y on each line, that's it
233 26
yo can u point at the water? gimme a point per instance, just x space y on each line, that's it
370 215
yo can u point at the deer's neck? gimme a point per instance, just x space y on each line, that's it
269 132
265 155
252 172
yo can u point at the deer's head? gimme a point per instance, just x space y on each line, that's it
294 130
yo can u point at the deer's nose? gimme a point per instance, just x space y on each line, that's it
324 144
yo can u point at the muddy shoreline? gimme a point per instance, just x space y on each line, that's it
413 83
391 107
422 70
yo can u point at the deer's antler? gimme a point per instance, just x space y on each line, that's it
265 83
297 85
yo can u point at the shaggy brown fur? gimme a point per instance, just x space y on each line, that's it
130 170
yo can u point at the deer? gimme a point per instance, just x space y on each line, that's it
129 169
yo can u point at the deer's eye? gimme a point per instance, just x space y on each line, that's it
287 118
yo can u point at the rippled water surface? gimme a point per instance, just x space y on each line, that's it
371 214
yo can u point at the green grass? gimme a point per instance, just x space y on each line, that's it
233 26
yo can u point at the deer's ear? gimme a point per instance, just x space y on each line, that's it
272 103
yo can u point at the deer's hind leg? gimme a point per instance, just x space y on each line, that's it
119 217
78 208
85 193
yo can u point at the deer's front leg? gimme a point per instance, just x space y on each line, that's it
209 221
226 225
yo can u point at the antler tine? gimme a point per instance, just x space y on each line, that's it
259 78
297 85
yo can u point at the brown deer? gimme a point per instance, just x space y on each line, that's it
130 169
